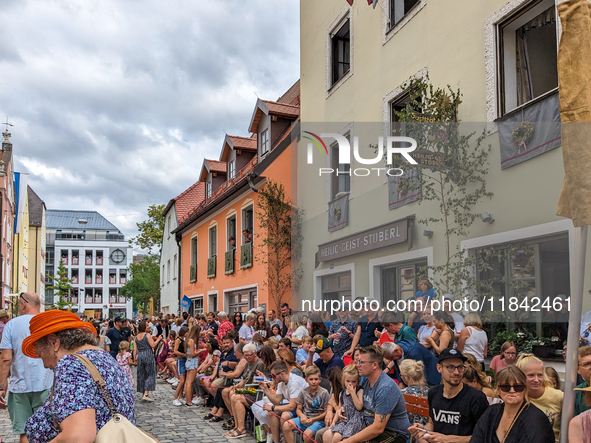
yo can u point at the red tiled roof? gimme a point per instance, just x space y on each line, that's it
248 144
292 96
189 200
269 107
216 166
282 108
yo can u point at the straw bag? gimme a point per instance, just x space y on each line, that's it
117 430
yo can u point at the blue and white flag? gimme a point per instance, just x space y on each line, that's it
186 302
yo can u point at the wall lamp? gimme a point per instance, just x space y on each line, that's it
487 217
427 233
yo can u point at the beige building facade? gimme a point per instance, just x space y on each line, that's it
354 63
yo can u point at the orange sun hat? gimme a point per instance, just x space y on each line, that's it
50 322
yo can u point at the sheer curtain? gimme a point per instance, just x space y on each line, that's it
525 89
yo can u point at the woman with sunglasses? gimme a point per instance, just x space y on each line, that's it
515 420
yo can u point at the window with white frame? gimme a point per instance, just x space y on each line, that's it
168 272
530 270
169 225
399 9
527 54
231 233
247 225
231 169
213 246
265 143
162 275
193 271
196 307
174 268
193 251
340 42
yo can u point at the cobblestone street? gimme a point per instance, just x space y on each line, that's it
168 423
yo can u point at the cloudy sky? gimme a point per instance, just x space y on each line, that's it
115 102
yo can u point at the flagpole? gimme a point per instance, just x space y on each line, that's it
574 325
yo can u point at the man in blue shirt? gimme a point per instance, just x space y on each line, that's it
365 334
29 382
396 352
328 359
384 408
341 332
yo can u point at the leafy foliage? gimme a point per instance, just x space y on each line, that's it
279 222
145 284
62 285
455 179
151 230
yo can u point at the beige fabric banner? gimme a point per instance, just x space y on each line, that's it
574 77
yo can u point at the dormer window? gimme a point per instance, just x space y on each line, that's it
208 190
231 169
265 144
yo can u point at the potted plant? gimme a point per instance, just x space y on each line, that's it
543 347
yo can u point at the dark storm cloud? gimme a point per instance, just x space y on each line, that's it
116 103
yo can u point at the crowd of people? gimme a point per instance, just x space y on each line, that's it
348 378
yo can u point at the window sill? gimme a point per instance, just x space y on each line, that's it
391 31
339 82
526 105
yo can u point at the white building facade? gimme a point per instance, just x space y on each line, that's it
97 258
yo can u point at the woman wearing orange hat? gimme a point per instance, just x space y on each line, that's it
78 408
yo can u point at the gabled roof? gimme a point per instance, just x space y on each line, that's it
292 96
189 200
268 107
62 219
36 206
212 166
239 143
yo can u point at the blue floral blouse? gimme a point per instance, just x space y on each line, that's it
75 390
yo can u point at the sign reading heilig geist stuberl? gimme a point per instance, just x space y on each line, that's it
381 236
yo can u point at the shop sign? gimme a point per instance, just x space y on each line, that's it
390 234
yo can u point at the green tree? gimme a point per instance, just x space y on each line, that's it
455 177
62 285
151 230
144 283
279 223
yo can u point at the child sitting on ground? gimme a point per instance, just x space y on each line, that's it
125 360
351 400
311 408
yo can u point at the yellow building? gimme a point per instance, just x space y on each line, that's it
37 240
21 236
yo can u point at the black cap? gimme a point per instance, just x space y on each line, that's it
119 318
446 354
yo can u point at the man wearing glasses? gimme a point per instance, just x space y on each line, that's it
454 407
29 381
282 402
583 389
384 409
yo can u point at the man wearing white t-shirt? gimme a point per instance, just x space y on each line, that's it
246 330
281 402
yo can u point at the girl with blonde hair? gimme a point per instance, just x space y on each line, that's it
351 400
412 373
473 338
540 390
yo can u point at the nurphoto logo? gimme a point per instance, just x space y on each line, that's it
394 145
